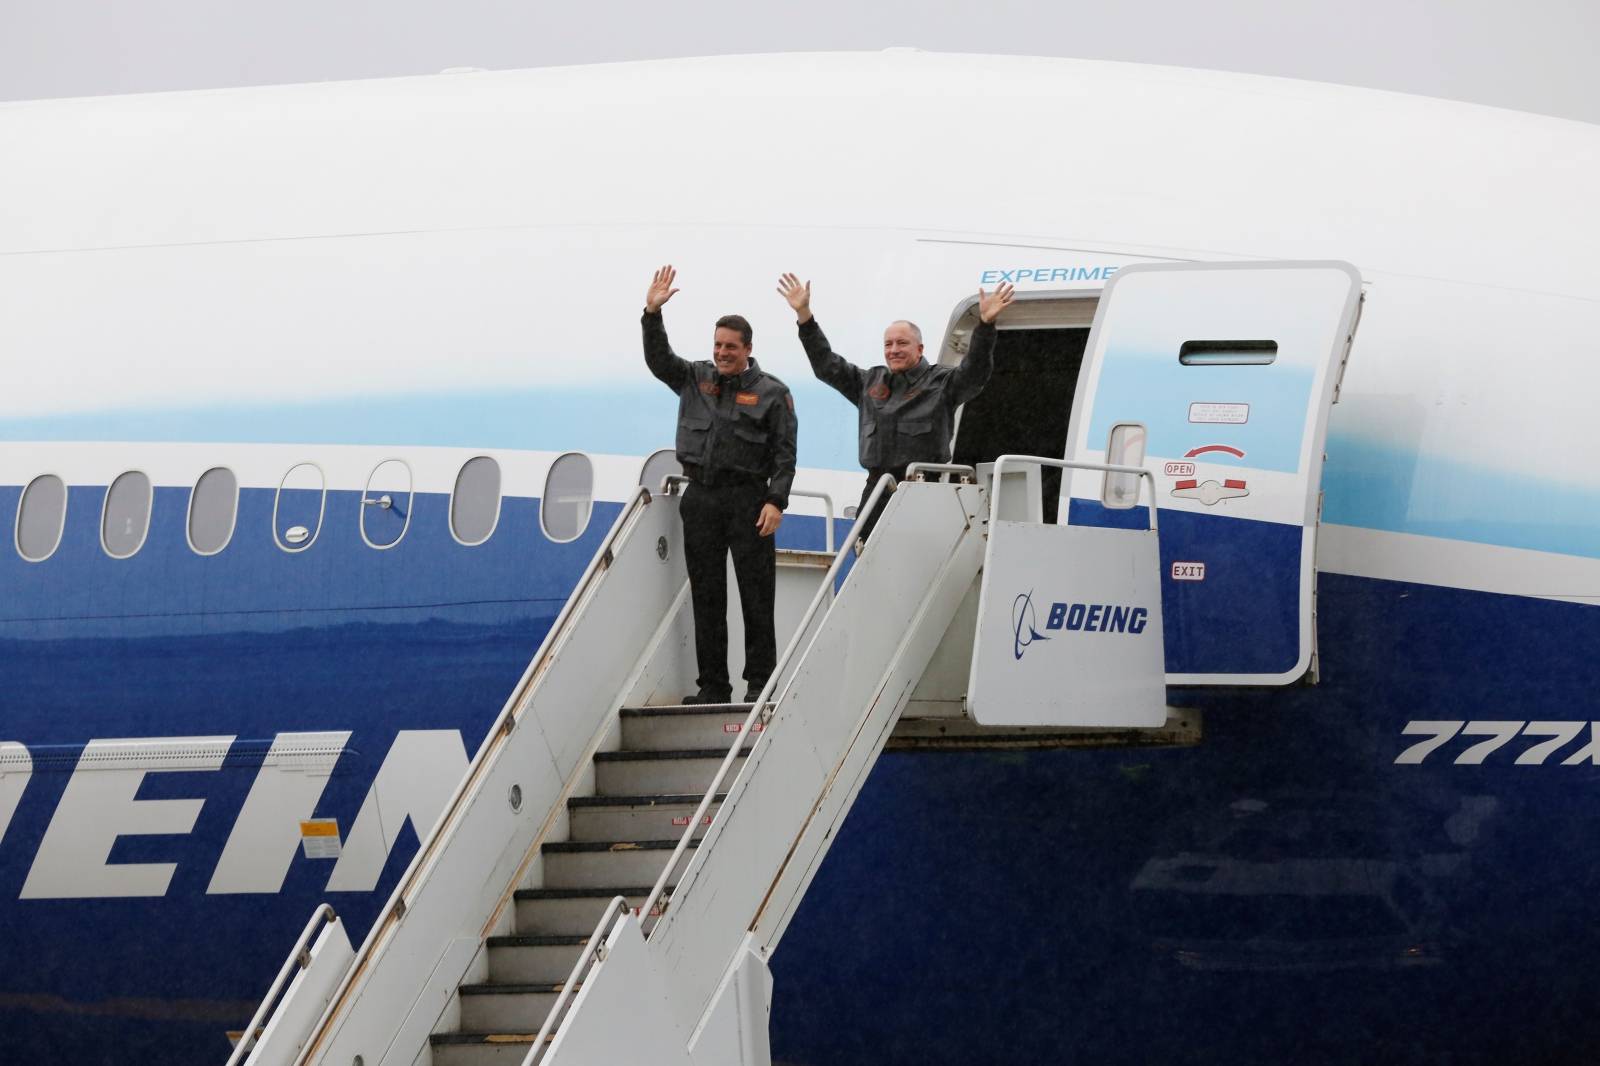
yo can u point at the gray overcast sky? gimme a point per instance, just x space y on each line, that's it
1537 55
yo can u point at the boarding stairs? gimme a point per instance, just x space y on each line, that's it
615 870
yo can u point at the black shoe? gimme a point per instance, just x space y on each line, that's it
706 696
753 693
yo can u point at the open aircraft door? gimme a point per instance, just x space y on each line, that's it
1217 378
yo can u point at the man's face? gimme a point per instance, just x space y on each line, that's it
901 349
729 351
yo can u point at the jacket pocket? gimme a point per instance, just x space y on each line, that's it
746 449
916 429
694 434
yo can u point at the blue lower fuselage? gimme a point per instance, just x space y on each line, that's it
1284 888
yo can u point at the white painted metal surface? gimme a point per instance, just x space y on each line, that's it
418 953
839 690
1236 439
214 211
318 965
1068 627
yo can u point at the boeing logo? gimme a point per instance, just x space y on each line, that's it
1023 623
1073 618
1097 618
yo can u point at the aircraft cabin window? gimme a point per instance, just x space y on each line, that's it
475 501
213 510
661 464
125 519
1125 448
568 497
41 517
1228 353
298 508
386 505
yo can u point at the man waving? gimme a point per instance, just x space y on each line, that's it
736 441
907 406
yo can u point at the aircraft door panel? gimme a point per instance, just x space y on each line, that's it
1228 371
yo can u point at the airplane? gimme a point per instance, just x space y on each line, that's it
321 398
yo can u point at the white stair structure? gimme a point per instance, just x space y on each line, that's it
612 874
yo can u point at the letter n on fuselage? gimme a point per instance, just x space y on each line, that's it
418 775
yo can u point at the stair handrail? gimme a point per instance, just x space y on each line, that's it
670 484
760 709
299 958
915 471
503 724
1069 464
594 951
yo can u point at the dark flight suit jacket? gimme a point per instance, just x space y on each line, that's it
729 428
906 417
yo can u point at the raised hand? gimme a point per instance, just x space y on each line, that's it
990 304
768 521
661 289
798 295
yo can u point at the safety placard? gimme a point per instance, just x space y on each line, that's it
1231 414
319 838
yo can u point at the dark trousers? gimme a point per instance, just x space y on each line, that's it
873 475
717 521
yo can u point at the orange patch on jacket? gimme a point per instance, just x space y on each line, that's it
710 388
748 399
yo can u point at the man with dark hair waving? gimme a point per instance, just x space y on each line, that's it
736 441
907 406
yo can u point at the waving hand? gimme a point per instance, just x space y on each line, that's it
990 304
798 295
661 289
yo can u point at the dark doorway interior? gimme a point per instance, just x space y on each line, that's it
1026 405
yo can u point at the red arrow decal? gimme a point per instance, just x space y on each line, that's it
1203 449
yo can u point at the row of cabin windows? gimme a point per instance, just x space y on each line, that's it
301 502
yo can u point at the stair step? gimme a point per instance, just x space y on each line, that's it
507 1007
636 817
570 911
595 863
646 711
676 728
533 959
482 1048
639 773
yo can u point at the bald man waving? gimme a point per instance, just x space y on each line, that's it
907 406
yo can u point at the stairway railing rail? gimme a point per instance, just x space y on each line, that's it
299 958
594 951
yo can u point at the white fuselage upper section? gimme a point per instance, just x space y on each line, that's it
297 252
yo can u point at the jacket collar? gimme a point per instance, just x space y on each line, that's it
746 378
913 375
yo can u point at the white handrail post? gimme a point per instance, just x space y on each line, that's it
299 958
1070 464
590 954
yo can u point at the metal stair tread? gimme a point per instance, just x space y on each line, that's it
580 893
486 1038
646 800
661 756
671 710
537 940
602 846
489 988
